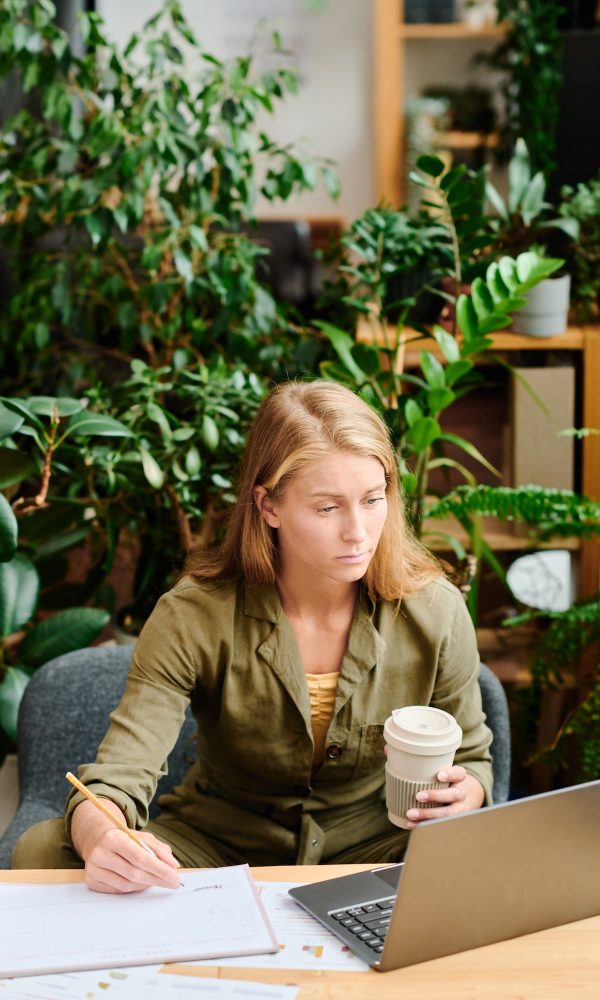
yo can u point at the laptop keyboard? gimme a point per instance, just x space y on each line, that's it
368 922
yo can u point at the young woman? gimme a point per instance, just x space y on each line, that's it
293 641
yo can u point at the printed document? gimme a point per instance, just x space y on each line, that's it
58 928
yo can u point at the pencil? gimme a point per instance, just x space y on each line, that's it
114 819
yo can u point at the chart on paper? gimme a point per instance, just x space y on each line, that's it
303 942
138 983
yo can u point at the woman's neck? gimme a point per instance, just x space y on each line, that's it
316 603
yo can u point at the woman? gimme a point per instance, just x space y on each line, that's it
293 641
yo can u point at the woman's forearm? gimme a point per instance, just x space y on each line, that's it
88 825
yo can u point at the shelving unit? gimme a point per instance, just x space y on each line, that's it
390 37
584 340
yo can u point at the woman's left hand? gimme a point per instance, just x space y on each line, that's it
462 794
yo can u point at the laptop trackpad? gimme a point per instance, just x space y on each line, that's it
390 876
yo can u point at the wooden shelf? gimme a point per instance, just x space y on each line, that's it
412 341
583 339
455 139
501 536
454 29
392 39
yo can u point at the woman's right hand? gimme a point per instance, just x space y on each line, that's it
113 861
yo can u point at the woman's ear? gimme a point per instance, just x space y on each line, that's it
266 506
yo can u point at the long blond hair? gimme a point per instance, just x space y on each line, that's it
298 424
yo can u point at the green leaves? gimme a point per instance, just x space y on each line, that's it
62 633
343 345
95 424
19 590
210 432
154 185
8 530
523 220
423 433
492 300
152 469
48 406
9 421
12 689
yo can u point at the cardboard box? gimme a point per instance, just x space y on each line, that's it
540 454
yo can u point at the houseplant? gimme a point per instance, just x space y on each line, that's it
122 203
140 475
582 203
525 220
413 404
530 58
566 652
26 642
396 257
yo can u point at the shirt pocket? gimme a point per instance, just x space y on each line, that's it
371 756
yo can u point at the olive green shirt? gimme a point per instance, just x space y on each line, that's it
230 651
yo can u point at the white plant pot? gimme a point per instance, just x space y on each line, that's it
546 312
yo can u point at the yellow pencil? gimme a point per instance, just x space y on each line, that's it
114 819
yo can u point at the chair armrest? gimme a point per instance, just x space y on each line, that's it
29 812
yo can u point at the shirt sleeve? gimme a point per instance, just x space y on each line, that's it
145 725
457 692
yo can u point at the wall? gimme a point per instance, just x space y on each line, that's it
331 113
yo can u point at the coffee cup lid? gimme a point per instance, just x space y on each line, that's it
423 730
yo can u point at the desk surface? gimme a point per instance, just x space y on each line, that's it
557 964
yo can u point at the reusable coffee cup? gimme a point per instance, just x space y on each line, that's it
421 741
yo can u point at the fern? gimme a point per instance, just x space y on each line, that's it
568 634
553 513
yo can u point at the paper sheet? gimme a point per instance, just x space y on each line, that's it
303 942
139 983
53 928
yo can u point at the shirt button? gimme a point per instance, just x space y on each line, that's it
315 842
334 751
302 791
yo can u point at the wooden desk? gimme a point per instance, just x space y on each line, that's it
557 964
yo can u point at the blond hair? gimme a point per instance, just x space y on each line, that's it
300 423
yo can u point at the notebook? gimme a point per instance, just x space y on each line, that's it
470 880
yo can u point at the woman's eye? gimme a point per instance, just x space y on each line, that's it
373 500
326 510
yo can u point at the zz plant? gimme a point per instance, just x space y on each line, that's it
413 403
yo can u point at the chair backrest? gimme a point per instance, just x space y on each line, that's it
495 706
65 714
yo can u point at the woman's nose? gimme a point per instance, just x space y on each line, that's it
354 528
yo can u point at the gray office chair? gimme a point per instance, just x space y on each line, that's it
64 715
62 719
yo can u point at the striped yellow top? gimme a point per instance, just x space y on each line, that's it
321 688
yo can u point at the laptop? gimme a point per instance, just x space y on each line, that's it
470 880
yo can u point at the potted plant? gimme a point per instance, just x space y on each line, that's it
583 204
396 258
525 221
414 404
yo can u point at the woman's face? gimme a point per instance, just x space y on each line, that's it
330 518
